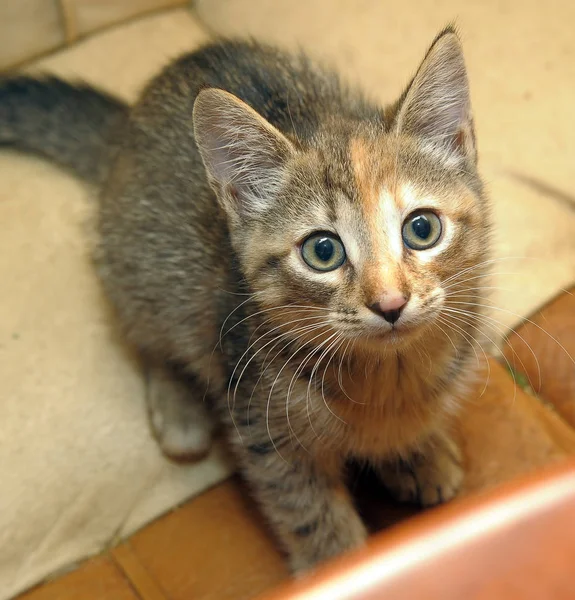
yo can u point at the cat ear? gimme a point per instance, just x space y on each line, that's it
436 106
244 155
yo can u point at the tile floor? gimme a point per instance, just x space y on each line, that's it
215 547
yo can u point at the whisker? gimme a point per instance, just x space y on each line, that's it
272 389
490 307
296 374
489 261
219 343
495 345
438 317
338 342
299 370
278 340
340 375
314 370
348 361
229 316
232 406
237 293
476 289
489 274
471 340
503 334
269 309
303 329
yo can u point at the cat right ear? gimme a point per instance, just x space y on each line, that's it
436 106
244 155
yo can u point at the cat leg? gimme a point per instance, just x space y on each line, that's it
430 475
309 509
178 418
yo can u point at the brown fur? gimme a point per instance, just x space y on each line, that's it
231 158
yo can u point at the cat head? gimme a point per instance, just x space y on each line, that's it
365 230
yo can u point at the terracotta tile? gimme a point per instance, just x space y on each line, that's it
506 433
544 350
96 579
213 548
137 573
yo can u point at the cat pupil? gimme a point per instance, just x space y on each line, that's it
324 249
421 227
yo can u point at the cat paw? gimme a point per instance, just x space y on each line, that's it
342 537
180 423
429 477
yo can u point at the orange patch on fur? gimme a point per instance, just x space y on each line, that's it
373 167
374 170
378 278
364 172
390 410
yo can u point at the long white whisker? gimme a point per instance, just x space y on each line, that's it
489 274
488 319
489 261
231 407
300 369
532 323
471 340
272 389
229 316
481 332
303 329
338 342
314 370
340 375
278 339
438 317
269 309
455 293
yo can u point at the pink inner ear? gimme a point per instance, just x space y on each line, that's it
459 139
233 192
464 142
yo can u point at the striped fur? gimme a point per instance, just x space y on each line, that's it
230 158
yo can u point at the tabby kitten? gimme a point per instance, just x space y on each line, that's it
284 249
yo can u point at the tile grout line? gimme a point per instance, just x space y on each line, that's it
135 573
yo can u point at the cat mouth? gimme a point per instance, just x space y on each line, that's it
397 333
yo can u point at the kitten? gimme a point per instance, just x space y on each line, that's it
281 247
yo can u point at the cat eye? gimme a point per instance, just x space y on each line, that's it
323 252
421 230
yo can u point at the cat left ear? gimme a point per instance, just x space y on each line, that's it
436 106
244 155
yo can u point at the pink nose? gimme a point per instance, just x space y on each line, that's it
390 307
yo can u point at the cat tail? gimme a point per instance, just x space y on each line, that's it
72 125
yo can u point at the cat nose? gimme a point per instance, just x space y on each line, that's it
391 307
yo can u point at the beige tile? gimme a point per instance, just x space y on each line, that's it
28 28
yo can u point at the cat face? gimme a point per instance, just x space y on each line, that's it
364 234
374 244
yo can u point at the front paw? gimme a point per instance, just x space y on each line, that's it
325 544
428 477
180 423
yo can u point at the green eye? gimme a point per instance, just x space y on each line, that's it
323 252
421 230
